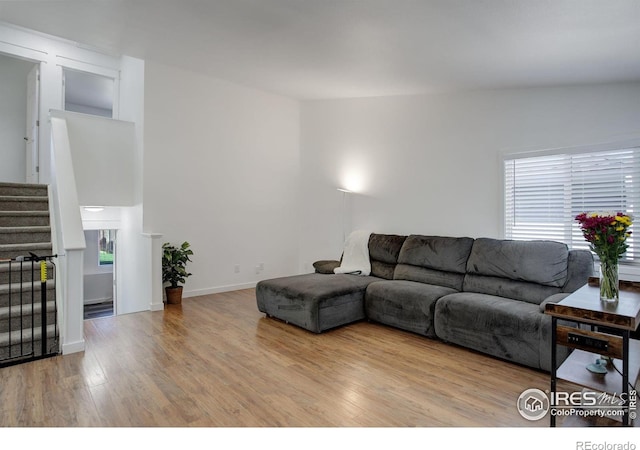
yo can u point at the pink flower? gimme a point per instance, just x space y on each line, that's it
606 232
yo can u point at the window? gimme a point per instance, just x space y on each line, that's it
543 194
88 93
106 244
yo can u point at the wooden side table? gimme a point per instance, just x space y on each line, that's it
608 335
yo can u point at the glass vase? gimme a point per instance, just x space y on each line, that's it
609 285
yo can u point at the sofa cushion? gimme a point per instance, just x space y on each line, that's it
542 262
511 330
504 287
449 254
383 254
407 305
434 260
429 276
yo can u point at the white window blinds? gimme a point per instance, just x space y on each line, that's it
543 194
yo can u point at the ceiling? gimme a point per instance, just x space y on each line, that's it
309 49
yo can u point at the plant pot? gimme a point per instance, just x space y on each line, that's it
174 295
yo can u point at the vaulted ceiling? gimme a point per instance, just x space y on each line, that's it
352 48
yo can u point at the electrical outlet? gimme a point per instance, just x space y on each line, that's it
261 266
236 268
257 269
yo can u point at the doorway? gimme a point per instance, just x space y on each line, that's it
99 273
19 109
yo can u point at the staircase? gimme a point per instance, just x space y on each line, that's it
25 237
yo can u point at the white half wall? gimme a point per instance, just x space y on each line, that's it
431 164
104 153
221 168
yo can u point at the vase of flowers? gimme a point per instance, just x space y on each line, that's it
607 234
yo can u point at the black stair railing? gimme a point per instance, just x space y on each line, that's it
21 342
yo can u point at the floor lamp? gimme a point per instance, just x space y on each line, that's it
344 211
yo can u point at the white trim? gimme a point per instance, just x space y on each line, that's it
155 267
501 204
156 307
73 347
632 141
87 67
219 289
22 52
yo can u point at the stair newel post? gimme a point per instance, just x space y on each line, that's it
43 299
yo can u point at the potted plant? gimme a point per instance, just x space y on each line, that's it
174 269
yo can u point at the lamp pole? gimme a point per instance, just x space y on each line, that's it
344 209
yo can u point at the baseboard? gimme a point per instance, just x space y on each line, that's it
218 290
73 347
156 306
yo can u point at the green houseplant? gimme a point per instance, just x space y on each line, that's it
174 269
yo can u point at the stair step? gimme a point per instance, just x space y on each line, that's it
12 355
17 310
23 203
14 319
24 218
26 334
26 286
23 189
11 346
22 272
12 251
29 294
25 235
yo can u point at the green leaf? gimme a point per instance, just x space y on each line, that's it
174 260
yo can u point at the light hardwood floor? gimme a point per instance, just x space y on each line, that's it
216 361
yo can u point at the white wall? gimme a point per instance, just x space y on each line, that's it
431 164
13 118
221 168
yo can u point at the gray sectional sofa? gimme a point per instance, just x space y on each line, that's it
484 294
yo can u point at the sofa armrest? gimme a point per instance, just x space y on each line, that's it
579 269
555 298
326 265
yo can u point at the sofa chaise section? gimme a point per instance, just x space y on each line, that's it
320 301
314 301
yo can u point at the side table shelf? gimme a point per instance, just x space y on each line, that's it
574 370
